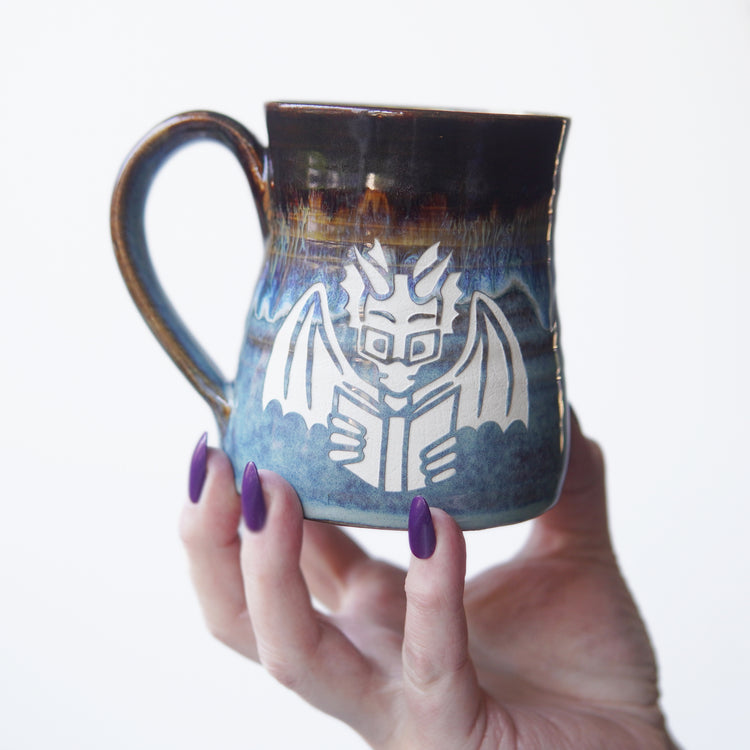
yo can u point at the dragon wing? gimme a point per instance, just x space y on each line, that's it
490 370
307 362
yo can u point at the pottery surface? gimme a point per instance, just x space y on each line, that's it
402 338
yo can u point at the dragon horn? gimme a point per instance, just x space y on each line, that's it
374 274
426 285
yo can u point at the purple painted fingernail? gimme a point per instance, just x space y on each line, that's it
198 469
421 529
253 502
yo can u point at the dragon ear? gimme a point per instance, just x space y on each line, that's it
430 271
375 273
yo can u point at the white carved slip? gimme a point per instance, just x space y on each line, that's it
391 434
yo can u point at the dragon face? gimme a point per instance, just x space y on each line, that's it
400 318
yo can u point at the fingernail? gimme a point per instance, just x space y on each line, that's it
253 502
421 529
198 469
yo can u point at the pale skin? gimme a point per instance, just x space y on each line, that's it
546 651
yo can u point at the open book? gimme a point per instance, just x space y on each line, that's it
396 441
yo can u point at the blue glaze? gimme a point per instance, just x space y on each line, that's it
363 330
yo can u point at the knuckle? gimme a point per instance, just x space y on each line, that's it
431 673
189 531
425 600
221 631
420 669
282 669
228 628
291 662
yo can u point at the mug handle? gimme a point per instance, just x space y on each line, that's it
131 249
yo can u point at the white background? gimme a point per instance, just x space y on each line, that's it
101 641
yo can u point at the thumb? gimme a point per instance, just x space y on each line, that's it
579 519
443 699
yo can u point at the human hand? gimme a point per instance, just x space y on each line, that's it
546 651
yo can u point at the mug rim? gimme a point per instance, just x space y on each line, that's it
393 111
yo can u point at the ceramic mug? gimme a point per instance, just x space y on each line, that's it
402 337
